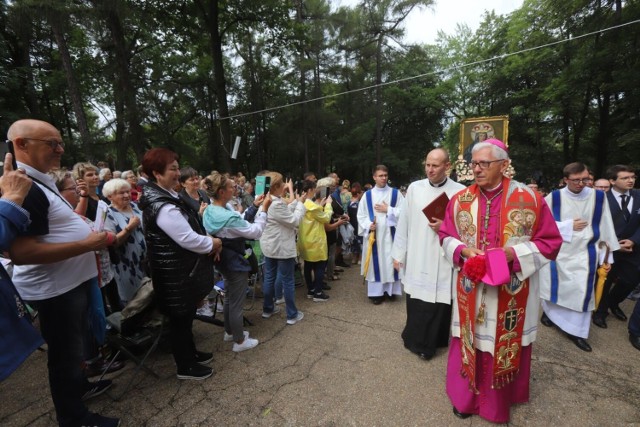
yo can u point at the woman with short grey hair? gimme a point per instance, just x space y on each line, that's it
129 252
105 175
131 177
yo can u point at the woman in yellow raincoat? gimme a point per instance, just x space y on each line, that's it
312 240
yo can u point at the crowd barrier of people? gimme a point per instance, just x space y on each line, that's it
81 242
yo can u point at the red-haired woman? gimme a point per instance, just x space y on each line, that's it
180 258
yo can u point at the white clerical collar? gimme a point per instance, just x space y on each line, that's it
380 190
585 193
438 185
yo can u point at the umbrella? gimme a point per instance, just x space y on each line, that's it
603 270
367 260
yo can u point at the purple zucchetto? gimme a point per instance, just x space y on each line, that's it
497 143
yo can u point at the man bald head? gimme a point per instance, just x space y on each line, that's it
602 184
436 165
37 144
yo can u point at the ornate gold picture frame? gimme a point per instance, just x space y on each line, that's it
478 129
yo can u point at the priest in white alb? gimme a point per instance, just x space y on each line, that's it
378 212
567 285
427 276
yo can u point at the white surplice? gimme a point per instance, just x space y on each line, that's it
572 262
427 275
384 241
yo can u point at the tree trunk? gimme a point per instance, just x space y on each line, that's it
303 90
21 56
127 113
56 21
220 82
379 99
602 140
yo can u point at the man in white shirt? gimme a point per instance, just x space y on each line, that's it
55 266
624 203
567 284
425 273
378 211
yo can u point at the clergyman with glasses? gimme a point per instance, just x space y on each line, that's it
566 285
494 317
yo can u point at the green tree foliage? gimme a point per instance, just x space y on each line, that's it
311 86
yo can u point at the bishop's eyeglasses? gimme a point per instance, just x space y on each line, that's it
484 164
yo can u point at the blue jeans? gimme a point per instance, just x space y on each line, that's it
63 323
279 270
634 320
279 291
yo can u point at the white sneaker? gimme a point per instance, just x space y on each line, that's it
266 315
247 344
295 320
229 337
280 301
204 311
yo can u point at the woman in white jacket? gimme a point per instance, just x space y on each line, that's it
278 243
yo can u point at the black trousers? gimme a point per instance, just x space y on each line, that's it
427 326
613 294
181 338
63 323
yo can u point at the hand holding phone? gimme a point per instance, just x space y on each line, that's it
7 148
263 183
14 184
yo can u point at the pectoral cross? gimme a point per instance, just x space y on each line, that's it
486 215
487 211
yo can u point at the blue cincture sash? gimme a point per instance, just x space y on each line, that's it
374 249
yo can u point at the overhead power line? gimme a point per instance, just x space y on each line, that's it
419 76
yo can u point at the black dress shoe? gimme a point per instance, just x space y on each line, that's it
391 297
546 321
459 414
425 356
581 343
635 341
600 322
377 300
618 314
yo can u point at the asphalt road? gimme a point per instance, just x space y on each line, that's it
344 365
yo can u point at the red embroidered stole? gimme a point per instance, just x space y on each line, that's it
519 215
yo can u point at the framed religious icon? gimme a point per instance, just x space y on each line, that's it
479 129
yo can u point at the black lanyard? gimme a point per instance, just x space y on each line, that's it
49 188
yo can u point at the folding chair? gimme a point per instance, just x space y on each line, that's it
137 326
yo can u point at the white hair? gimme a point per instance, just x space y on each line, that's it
127 174
114 185
326 182
497 152
103 172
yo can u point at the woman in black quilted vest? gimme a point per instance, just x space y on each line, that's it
180 257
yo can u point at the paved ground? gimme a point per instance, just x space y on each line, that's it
344 365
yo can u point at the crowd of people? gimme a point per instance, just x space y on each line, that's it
83 240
